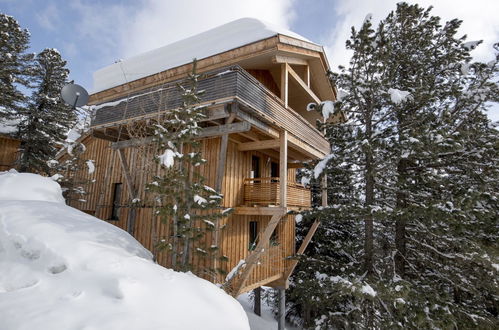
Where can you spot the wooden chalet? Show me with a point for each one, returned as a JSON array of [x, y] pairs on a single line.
[[9, 147], [258, 81]]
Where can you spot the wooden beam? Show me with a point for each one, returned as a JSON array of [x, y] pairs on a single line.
[[261, 247], [132, 143], [304, 148], [204, 133], [222, 156], [258, 124], [289, 59], [258, 145], [302, 84], [101, 135], [222, 159], [126, 171], [263, 282], [302, 248], [296, 165], [224, 129], [307, 75], [131, 191], [215, 113], [248, 210], [284, 84], [283, 169]]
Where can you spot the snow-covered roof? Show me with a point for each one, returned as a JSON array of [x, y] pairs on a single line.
[[9, 126], [217, 40]]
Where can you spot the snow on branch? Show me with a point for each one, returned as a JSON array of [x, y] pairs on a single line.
[[398, 96]]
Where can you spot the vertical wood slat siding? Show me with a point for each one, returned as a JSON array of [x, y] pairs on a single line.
[[234, 240], [225, 83], [8, 152]]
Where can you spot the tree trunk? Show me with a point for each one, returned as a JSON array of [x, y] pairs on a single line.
[[368, 221], [400, 221]]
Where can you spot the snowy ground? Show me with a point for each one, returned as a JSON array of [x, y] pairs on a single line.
[[63, 269], [264, 322]]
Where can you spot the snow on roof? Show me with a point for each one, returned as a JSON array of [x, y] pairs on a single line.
[[9, 126], [29, 187], [220, 39]]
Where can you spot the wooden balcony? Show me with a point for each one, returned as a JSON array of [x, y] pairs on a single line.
[[266, 191], [255, 104]]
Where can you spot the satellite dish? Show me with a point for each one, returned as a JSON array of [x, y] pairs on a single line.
[[74, 95]]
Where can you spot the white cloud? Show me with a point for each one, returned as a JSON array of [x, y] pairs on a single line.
[[100, 24], [479, 23], [49, 17], [158, 23], [122, 31]]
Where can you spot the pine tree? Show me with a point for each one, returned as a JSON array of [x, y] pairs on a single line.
[[69, 170], [14, 66], [183, 201], [424, 169], [46, 119]]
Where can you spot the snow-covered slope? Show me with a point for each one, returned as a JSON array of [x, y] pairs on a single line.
[[220, 39], [63, 269]]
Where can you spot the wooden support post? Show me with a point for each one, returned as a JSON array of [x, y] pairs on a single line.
[[131, 191], [206, 132], [284, 84], [307, 75], [222, 158], [301, 249], [257, 303], [296, 77], [324, 191], [258, 145], [281, 315], [283, 169], [253, 258]]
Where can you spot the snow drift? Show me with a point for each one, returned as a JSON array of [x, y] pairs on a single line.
[[63, 269]]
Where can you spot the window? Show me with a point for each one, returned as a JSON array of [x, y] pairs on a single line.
[[274, 170], [255, 166], [115, 210], [253, 235]]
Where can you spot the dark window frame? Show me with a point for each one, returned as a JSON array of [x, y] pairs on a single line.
[[253, 235], [255, 166], [116, 201]]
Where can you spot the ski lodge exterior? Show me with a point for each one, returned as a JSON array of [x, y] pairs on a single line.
[[9, 149], [258, 81]]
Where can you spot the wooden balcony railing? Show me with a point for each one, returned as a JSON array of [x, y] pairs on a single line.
[[265, 191]]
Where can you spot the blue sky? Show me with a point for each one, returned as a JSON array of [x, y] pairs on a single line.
[[91, 34]]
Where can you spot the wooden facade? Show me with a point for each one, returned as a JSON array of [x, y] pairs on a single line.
[[256, 135], [9, 149]]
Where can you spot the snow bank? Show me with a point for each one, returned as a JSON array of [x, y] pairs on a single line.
[[29, 187], [220, 39], [64, 269], [267, 320]]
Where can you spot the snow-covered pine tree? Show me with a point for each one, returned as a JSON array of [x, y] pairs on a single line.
[[424, 158], [70, 168], [46, 119], [14, 66], [182, 200]]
